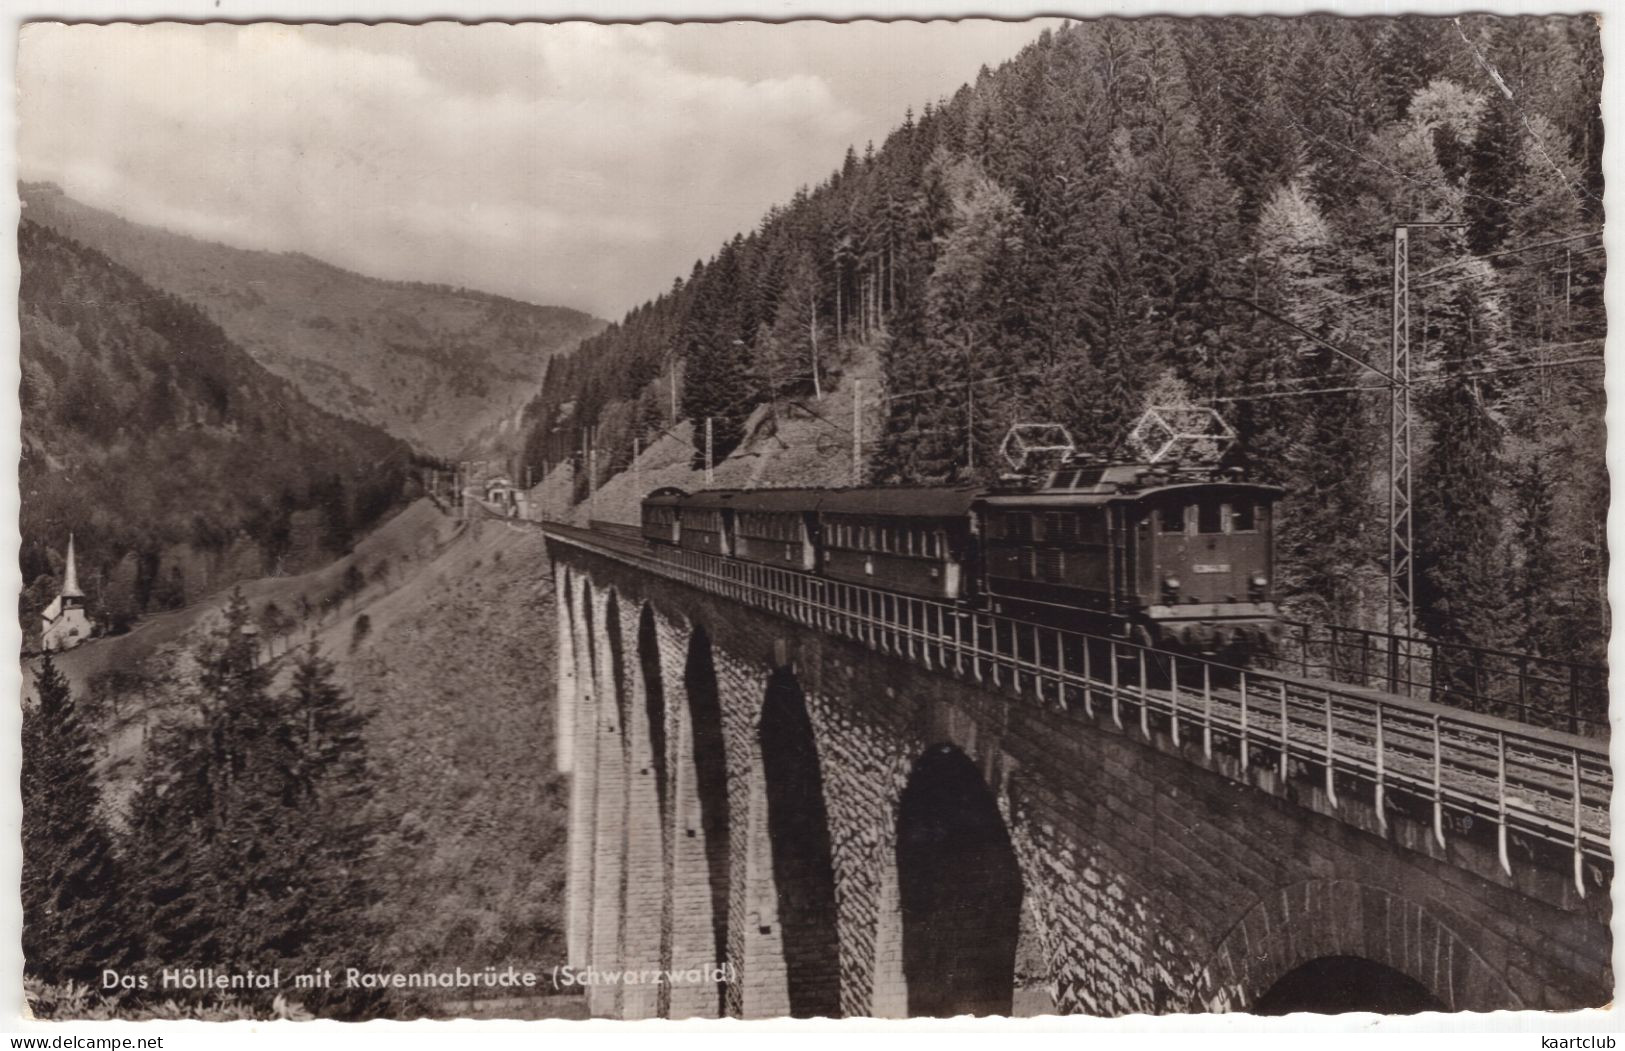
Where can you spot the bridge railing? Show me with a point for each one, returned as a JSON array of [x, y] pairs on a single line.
[[1460, 767], [1538, 691]]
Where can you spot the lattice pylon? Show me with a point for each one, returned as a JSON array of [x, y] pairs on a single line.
[[1401, 579]]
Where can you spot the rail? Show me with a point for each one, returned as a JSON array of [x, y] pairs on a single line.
[[1545, 784], [1537, 691]]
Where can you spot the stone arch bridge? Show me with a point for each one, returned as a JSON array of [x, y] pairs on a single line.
[[791, 798]]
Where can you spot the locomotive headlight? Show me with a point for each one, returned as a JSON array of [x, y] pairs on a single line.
[[1170, 589], [1259, 582]]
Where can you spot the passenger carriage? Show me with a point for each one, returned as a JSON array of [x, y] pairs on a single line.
[[706, 521], [662, 515], [776, 527], [915, 541]]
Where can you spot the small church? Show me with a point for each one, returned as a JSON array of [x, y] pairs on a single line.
[[66, 624]]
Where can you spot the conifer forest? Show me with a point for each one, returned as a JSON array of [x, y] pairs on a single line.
[[1201, 206]]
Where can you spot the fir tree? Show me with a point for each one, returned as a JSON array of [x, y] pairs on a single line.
[[249, 829], [72, 886], [1459, 579]]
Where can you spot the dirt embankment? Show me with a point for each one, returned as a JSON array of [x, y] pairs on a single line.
[[796, 442]]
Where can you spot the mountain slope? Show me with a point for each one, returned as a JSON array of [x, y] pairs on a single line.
[[431, 364], [452, 630], [177, 460]]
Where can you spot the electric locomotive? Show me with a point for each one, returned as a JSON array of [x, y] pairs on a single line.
[[1181, 559]]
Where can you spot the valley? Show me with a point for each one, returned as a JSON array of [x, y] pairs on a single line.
[[434, 365]]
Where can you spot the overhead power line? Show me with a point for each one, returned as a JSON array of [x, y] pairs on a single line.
[[1425, 381], [1343, 300]]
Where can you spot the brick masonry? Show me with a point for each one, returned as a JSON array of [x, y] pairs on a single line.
[[1155, 878]]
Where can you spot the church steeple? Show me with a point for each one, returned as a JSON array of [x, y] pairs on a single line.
[[70, 576], [65, 624]]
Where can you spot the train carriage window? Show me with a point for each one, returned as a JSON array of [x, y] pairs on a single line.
[[1208, 517], [1242, 518], [1173, 518]]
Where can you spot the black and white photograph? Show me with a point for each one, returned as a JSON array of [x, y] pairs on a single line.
[[762, 520]]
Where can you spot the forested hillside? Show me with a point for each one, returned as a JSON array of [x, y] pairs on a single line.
[[1175, 203], [175, 459], [428, 363]]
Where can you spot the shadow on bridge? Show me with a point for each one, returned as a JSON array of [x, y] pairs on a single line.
[[1337, 984], [960, 890], [710, 779], [798, 837]]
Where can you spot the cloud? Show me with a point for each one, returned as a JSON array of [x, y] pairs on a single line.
[[575, 163]]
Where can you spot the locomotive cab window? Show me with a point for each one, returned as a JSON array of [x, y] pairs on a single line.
[[1243, 519], [1173, 518], [1209, 517]]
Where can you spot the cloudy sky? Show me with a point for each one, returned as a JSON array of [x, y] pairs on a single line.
[[578, 164]]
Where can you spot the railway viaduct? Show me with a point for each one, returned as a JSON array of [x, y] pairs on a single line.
[[831, 829]]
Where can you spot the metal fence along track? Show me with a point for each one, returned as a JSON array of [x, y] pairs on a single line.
[[1540, 691]]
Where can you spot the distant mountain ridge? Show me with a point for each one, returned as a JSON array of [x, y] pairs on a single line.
[[431, 364], [178, 462]]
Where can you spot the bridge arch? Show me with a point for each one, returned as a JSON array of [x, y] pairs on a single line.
[[615, 642], [645, 904], [587, 849], [654, 702], [701, 878], [798, 842], [607, 650], [1300, 949], [564, 660], [1337, 984], [959, 890]]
